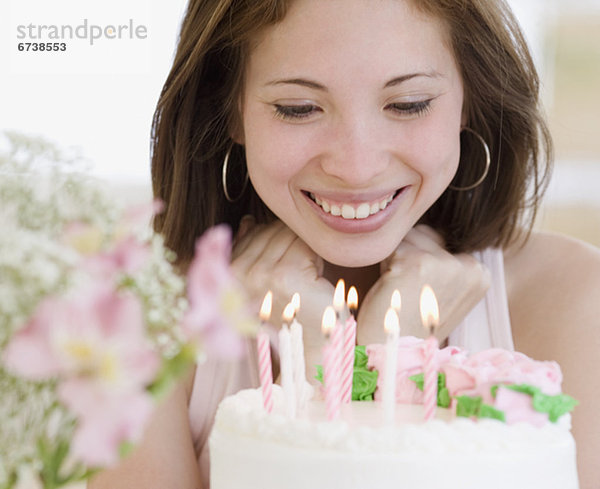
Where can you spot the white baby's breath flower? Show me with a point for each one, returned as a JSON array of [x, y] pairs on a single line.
[[42, 192]]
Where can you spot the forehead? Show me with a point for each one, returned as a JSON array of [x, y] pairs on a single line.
[[368, 36]]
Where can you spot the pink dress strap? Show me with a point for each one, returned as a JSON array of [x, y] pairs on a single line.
[[215, 380], [488, 323]]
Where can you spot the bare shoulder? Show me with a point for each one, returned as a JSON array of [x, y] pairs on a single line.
[[553, 286], [552, 276]]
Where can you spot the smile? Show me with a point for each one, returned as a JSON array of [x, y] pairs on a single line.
[[355, 210]]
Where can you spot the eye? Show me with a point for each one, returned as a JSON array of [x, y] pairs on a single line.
[[410, 108], [295, 112]]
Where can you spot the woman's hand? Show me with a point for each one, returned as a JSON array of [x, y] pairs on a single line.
[[459, 282], [272, 257]]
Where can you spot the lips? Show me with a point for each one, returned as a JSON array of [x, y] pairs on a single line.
[[353, 210], [349, 214]]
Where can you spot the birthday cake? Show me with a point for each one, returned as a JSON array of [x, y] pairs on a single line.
[[501, 421]]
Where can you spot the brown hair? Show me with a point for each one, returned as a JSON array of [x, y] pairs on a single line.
[[197, 113]]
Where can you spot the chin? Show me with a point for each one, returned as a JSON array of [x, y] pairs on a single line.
[[342, 256]]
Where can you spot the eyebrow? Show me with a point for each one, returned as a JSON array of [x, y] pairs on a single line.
[[401, 79], [299, 81], [304, 82]]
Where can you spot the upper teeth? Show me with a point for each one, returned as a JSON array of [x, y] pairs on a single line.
[[353, 211]]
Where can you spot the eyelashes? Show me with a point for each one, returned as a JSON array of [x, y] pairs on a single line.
[[411, 108], [295, 112], [300, 112]]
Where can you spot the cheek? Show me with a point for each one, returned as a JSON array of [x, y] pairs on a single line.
[[275, 154], [437, 149], [271, 168]]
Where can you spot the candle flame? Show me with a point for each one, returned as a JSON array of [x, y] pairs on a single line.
[[353, 298], [391, 323], [430, 314], [329, 320], [296, 302], [289, 312], [338, 296], [396, 301], [265, 309]]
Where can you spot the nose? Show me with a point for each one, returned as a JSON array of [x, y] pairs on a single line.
[[355, 153]]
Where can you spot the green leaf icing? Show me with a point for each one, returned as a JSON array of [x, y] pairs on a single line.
[[487, 411], [555, 406], [360, 356], [473, 407], [443, 396], [364, 381], [320, 377], [468, 406], [418, 379]]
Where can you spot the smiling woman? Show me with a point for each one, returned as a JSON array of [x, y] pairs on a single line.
[[391, 143], [355, 135]]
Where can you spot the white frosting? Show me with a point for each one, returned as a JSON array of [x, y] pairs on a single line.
[[252, 449]]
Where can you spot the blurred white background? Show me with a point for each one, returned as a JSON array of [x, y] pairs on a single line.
[[104, 105]]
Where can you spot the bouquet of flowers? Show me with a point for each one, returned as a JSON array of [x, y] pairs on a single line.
[[96, 323]]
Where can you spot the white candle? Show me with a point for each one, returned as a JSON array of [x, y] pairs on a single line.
[[286, 363], [299, 365], [331, 363], [392, 330]]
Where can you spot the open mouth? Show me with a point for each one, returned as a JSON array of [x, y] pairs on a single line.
[[354, 210]]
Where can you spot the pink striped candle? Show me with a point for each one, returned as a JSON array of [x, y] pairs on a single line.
[[391, 324], [431, 378], [332, 363], [265, 366], [265, 369], [348, 359], [430, 318]]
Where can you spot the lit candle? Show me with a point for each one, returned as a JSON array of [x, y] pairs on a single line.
[[265, 366], [430, 318], [353, 301], [331, 363], [339, 301], [396, 302], [348, 346], [391, 325], [299, 366], [286, 362]]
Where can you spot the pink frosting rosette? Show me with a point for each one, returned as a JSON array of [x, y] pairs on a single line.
[[411, 357], [472, 375], [477, 374]]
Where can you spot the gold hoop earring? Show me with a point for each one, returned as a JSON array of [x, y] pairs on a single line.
[[224, 179], [487, 163]]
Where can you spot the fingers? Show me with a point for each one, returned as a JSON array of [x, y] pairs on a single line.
[[299, 254], [254, 240], [247, 222], [425, 238]]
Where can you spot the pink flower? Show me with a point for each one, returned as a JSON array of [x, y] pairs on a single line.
[[126, 256], [96, 334], [477, 374], [141, 215], [105, 420], [411, 357], [217, 313], [518, 407], [94, 342]]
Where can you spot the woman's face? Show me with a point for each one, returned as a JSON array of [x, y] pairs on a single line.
[[351, 117]]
